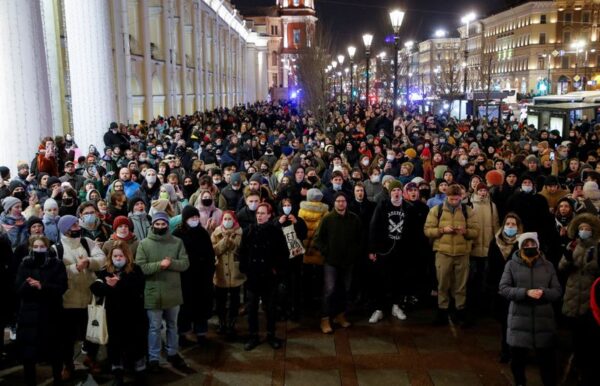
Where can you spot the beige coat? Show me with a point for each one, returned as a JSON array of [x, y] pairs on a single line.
[[486, 216], [227, 272], [79, 295], [451, 244]]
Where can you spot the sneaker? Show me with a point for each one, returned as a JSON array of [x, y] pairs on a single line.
[[252, 343], [274, 341], [177, 362], [154, 367], [12, 334], [326, 326], [376, 317], [398, 312]]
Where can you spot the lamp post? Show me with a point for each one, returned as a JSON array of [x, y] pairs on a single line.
[[579, 46], [408, 45], [351, 52], [340, 59], [333, 66], [467, 19], [396, 17], [367, 40]]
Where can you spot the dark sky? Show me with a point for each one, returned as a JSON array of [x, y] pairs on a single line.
[[348, 20]]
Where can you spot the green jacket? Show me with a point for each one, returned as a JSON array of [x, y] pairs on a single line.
[[163, 287], [338, 238]]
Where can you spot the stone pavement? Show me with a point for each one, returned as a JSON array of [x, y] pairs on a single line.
[[392, 352]]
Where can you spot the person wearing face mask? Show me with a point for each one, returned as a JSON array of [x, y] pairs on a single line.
[[122, 232], [580, 264], [247, 215], [197, 280], [150, 187], [373, 184], [501, 248], [91, 225], [210, 215], [532, 208], [162, 258], [41, 281], [530, 284], [12, 221], [121, 284], [228, 279], [82, 258]]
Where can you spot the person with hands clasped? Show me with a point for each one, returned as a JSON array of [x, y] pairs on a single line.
[[121, 283], [162, 257], [530, 283], [580, 265]]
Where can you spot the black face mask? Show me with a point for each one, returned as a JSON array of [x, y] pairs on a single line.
[[160, 231], [207, 201], [313, 179], [67, 201], [75, 234], [20, 195], [530, 252]]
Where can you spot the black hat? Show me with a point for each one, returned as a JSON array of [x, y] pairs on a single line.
[[188, 212], [511, 172], [4, 172], [113, 125], [53, 180], [527, 176], [32, 221], [551, 180], [132, 201]]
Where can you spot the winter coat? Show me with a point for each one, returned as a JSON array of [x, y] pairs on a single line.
[[15, 228], [125, 314], [496, 263], [78, 295], [51, 228], [264, 255], [580, 263], [246, 217], [338, 238], [486, 216], [163, 286], [372, 189], [312, 213], [531, 322], [141, 225], [40, 311], [227, 273], [451, 244], [7, 279], [196, 281], [553, 199]]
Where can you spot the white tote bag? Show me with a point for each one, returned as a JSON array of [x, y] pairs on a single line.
[[97, 331]]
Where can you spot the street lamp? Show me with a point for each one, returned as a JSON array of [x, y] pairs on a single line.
[[440, 33], [396, 17], [367, 40], [333, 67], [578, 46], [408, 45], [351, 52], [467, 19], [340, 59]]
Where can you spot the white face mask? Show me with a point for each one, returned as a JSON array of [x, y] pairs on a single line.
[[526, 188], [228, 224], [252, 206], [122, 234], [375, 178], [463, 162], [192, 223], [390, 158], [287, 210], [151, 179], [365, 162]]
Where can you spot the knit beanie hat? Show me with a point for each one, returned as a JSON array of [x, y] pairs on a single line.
[[411, 153], [160, 216], [314, 195], [121, 220], [9, 202], [15, 184], [257, 177], [50, 203], [31, 221], [386, 178], [481, 185], [188, 212], [528, 236], [394, 184], [494, 177], [134, 200], [66, 222]]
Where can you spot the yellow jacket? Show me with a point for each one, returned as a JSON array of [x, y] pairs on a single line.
[[451, 244], [312, 213]]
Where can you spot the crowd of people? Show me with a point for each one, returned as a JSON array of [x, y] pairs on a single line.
[[261, 207]]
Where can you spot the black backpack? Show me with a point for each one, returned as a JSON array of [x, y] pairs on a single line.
[[441, 207], [60, 249]]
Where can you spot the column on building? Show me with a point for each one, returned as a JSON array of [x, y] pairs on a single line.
[[261, 73], [122, 60], [144, 21], [197, 36], [250, 69], [91, 69], [167, 47], [182, 52], [24, 78]]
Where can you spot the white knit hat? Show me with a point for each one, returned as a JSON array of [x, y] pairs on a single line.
[[50, 203], [528, 236]]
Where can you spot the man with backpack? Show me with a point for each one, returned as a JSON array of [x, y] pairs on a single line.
[[451, 226]]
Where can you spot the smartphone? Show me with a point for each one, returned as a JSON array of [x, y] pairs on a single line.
[[552, 156]]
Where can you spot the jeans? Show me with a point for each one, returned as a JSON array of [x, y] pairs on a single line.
[[155, 317], [336, 290]]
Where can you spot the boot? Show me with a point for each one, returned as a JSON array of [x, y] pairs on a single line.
[[326, 326], [441, 317], [341, 320]]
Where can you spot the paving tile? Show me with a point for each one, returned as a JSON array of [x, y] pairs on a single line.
[[312, 377], [227, 378], [390, 377], [310, 347], [435, 343], [454, 378], [373, 345]]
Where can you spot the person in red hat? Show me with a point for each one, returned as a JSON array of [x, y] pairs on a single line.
[[123, 231]]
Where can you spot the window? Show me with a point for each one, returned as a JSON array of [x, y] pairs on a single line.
[[542, 38], [541, 63], [296, 3], [568, 18], [296, 39], [566, 37], [585, 18], [543, 19], [274, 59], [565, 62]]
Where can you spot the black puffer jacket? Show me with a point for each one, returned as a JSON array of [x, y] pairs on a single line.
[[531, 322]]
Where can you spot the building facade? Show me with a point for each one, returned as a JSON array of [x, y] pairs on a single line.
[[75, 66], [434, 55]]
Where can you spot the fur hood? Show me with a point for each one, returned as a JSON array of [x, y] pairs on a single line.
[[587, 218], [314, 206]]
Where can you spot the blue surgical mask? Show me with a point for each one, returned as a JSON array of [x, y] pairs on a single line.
[[287, 210], [120, 263], [584, 235], [89, 218], [337, 186], [510, 231]]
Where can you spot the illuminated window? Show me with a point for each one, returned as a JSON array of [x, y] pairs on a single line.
[[296, 37], [296, 3], [542, 38]]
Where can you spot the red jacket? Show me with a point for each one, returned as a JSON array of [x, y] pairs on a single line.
[[46, 164]]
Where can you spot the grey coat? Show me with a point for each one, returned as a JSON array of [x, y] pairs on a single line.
[[531, 322]]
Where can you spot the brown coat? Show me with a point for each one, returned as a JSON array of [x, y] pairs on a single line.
[[227, 272]]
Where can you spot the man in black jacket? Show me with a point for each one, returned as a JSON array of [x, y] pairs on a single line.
[[264, 257]]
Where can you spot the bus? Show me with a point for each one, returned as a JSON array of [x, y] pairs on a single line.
[[572, 97]]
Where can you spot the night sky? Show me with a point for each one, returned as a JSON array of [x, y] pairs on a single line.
[[348, 20]]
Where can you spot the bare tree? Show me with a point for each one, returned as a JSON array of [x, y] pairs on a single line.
[[311, 62], [448, 84], [481, 79]]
